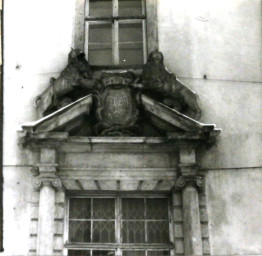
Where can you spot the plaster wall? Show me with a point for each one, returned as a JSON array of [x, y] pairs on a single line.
[[220, 39]]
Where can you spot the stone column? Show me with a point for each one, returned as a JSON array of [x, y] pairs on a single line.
[[46, 182], [189, 182], [45, 234]]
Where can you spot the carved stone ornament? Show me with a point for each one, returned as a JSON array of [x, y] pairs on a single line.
[[173, 93], [54, 182], [194, 180], [117, 103], [117, 107]]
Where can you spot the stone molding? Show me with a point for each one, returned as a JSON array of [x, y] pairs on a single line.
[[196, 181]]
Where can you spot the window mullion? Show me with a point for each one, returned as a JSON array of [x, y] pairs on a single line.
[[115, 42], [115, 32], [86, 40], [118, 219], [91, 236], [145, 219], [144, 41]]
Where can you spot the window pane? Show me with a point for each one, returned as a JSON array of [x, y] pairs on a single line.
[[79, 231], [130, 44], [104, 208], [100, 57], [157, 208], [133, 231], [100, 44], [131, 56], [158, 253], [100, 8], [103, 231], [78, 253], [130, 32], [130, 7], [80, 208], [133, 208], [100, 33], [103, 253], [134, 253], [158, 231]]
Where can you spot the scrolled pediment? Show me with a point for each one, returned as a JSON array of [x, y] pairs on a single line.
[[119, 104]]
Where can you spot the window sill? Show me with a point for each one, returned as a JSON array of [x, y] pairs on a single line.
[[116, 67], [116, 245]]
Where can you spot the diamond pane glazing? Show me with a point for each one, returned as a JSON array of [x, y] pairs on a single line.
[[133, 231], [80, 208], [104, 231], [157, 208], [104, 208], [158, 231], [79, 231], [133, 208]]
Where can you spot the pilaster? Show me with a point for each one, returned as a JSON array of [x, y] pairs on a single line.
[[46, 183], [189, 182]]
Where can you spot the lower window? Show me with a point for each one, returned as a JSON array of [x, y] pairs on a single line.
[[119, 225]]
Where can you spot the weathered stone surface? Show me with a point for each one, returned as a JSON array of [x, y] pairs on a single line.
[[178, 215], [58, 243], [46, 221], [178, 228], [191, 221], [179, 245], [115, 160]]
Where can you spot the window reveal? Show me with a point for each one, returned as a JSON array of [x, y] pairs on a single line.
[[115, 32], [119, 222]]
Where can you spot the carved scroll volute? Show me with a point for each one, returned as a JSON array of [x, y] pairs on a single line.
[[196, 181], [53, 182]]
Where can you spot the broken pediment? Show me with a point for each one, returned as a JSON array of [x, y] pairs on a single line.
[[154, 104]]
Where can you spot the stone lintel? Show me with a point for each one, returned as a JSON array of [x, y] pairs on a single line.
[[47, 168], [187, 156], [48, 155]]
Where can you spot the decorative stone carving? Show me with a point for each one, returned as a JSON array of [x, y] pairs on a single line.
[[117, 107], [75, 77], [158, 81], [40, 181], [192, 180], [124, 104]]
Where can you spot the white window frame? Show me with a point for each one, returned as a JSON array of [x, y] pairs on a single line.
[[115, 20]]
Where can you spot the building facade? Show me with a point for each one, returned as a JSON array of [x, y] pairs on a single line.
[[85, 174]]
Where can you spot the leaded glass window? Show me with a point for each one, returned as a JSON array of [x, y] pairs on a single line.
[[130, 226]]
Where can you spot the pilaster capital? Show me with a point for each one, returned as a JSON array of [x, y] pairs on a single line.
[[196, 181], [42, 181]]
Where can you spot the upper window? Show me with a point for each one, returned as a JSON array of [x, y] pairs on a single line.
[[119, 225], [115, 32]]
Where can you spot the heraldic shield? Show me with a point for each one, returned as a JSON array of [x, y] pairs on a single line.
[[117, 108]]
